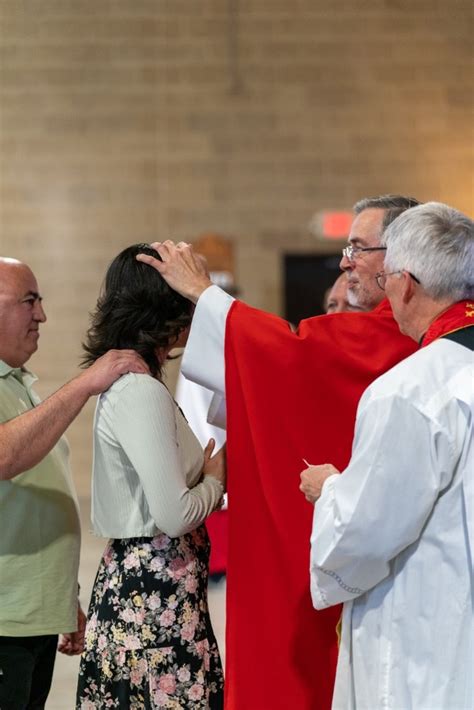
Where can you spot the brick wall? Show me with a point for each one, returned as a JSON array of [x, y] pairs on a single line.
[[124, 121]]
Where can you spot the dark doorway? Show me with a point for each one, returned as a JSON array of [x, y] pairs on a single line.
[[306, 279]]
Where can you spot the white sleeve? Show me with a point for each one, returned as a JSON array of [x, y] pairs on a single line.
[[197, 403], [379, 505], [217, 414], [203, 359], [145, 427]]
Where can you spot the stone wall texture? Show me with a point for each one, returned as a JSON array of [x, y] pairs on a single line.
[[136, 120]]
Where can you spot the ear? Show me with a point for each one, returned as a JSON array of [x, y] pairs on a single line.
[[408, 287]]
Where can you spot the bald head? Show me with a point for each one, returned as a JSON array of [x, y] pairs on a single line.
[[21, 312], [8, 268], [12, 273], [8, 260]]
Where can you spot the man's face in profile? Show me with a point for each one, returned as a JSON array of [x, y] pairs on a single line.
[[366, 232], [336, 299], [21, 313]]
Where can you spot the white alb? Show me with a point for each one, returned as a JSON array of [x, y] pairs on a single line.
[[393, 539]]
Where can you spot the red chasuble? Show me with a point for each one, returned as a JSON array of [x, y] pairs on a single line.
[[290, 396]]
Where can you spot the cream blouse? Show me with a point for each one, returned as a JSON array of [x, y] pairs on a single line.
[[147, 464]]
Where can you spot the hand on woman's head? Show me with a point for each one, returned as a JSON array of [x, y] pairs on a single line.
[[182, 268]]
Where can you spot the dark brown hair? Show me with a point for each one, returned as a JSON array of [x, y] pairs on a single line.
[[136, 309]]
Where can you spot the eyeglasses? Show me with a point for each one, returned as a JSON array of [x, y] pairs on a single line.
[[352, 253], [381, 277]]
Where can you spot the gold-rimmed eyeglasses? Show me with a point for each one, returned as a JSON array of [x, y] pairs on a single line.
[[381, 277]]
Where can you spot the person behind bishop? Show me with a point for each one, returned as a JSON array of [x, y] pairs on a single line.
[[393, 537]]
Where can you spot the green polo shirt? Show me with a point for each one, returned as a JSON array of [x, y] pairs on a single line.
[[39, 531]]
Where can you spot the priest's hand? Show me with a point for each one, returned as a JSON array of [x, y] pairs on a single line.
[[182, 269], [312, 479]]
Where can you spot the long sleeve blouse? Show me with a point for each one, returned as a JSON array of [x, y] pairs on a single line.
[[147, 464]]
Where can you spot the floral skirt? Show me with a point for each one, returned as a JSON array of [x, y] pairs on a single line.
[[149, 640]]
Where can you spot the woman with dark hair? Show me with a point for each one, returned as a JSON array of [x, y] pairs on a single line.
[[149, 640]]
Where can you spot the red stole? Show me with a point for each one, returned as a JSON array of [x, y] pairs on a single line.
[[289, 396], [458, 316]]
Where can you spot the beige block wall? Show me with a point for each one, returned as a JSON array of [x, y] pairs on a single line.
[[125, 121]]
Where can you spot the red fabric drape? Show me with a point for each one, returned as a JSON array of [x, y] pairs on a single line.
[[217, 525], [289, 396]]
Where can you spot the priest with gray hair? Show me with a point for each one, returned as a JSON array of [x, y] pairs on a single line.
[[393, 537]]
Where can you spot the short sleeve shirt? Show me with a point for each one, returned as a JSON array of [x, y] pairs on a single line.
[[40, 531]]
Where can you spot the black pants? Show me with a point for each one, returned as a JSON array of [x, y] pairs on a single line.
[[26, 671]]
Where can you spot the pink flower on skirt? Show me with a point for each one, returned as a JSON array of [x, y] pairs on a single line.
[[132, 643], [190, 584], [167, 617], [160, 698], [187, 632], [160, 542], [87, 705], [191, 565], [132, 561], [154, 601], [120, 657], [140, 616], [184, 674], [136, 676], [156, 564], [195, 692], [127, 615], [177, 568], [167, 683], [201, 646]]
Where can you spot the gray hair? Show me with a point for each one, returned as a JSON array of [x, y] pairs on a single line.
[[393, 205], [435, 243]]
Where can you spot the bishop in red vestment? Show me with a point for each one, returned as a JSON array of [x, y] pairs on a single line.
[[291, 399]]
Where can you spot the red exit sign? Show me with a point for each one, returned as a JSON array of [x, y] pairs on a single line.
[[335, 225], [331, 224]]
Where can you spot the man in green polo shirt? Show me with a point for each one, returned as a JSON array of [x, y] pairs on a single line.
[[40, 535]]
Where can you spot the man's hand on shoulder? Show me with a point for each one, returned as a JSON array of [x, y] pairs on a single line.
[[108, 368], [183, 269], [312, 480]]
